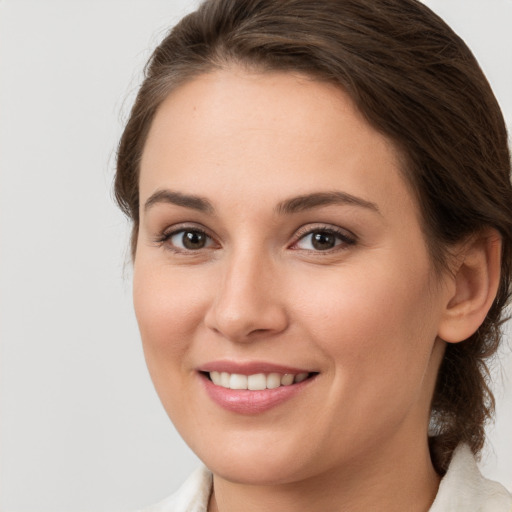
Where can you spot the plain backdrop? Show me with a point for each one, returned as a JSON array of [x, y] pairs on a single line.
[[81, 426]]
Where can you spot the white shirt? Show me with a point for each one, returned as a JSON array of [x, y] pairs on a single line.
[[462, 489]]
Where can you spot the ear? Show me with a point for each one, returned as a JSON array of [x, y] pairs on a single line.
[[473, 286]]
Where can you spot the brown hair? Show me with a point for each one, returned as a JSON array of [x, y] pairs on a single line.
[[415, 81]]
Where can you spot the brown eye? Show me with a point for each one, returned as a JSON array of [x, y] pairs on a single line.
[[190, 240], [324, 240]]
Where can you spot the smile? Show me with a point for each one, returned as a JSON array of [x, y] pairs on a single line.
[[253, 388], [257, 381]]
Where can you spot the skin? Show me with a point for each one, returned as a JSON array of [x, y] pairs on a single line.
[[366, 314]]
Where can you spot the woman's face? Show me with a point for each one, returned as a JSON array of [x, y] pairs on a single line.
[[277, 242]]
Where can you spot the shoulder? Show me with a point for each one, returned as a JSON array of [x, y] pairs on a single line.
[[464, 488], [192, 496]]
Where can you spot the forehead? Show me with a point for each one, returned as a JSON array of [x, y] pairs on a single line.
[[240, 131]]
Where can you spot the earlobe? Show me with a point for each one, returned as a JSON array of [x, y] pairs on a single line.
[[474, 284]]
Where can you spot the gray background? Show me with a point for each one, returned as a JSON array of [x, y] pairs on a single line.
[[81, 427]]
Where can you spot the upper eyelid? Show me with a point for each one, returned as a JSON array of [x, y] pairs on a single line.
[[347, 238], [164, 240], [166, 234], [309, 228], [176, 228]]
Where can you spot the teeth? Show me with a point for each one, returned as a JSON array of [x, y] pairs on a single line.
[[256, 382], [216, 378], [224, 380], [300, 377], [238, 381], [287, 379], [273, 380]]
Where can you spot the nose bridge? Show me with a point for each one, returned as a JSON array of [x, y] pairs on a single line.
[[247, 299]]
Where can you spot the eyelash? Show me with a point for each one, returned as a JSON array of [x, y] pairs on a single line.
[[345, 238], [166, 236]]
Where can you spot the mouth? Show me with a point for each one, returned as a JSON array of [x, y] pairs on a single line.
[[253, 388], [256, 381]]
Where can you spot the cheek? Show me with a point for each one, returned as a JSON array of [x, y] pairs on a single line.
[[168, 307], [377, 331], [375, 322]]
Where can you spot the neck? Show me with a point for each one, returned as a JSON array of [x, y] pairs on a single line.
[[403, 479]]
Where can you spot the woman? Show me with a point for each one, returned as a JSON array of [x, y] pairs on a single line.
[[322, 245]]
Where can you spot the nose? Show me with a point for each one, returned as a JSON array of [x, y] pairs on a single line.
[[247, 303]]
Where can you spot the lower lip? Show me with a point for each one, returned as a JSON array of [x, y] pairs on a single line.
[[243, 401]]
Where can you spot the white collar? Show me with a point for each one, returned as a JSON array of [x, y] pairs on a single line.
[[462, 489]]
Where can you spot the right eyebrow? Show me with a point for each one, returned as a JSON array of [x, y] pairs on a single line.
[[317, 199], [177, 198]]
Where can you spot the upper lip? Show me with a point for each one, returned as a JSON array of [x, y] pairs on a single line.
[[250, 367]]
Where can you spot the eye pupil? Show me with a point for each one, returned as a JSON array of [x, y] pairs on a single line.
[[323, 241], [194, 240]]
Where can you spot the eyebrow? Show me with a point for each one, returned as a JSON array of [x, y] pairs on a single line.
[[309, 201], [286, 207], [188, 201]]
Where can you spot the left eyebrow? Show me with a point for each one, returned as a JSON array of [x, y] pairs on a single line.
[[177, 198], [314, 200]]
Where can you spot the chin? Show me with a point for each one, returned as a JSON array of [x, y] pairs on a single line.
[[264, 470], [253, 462]]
